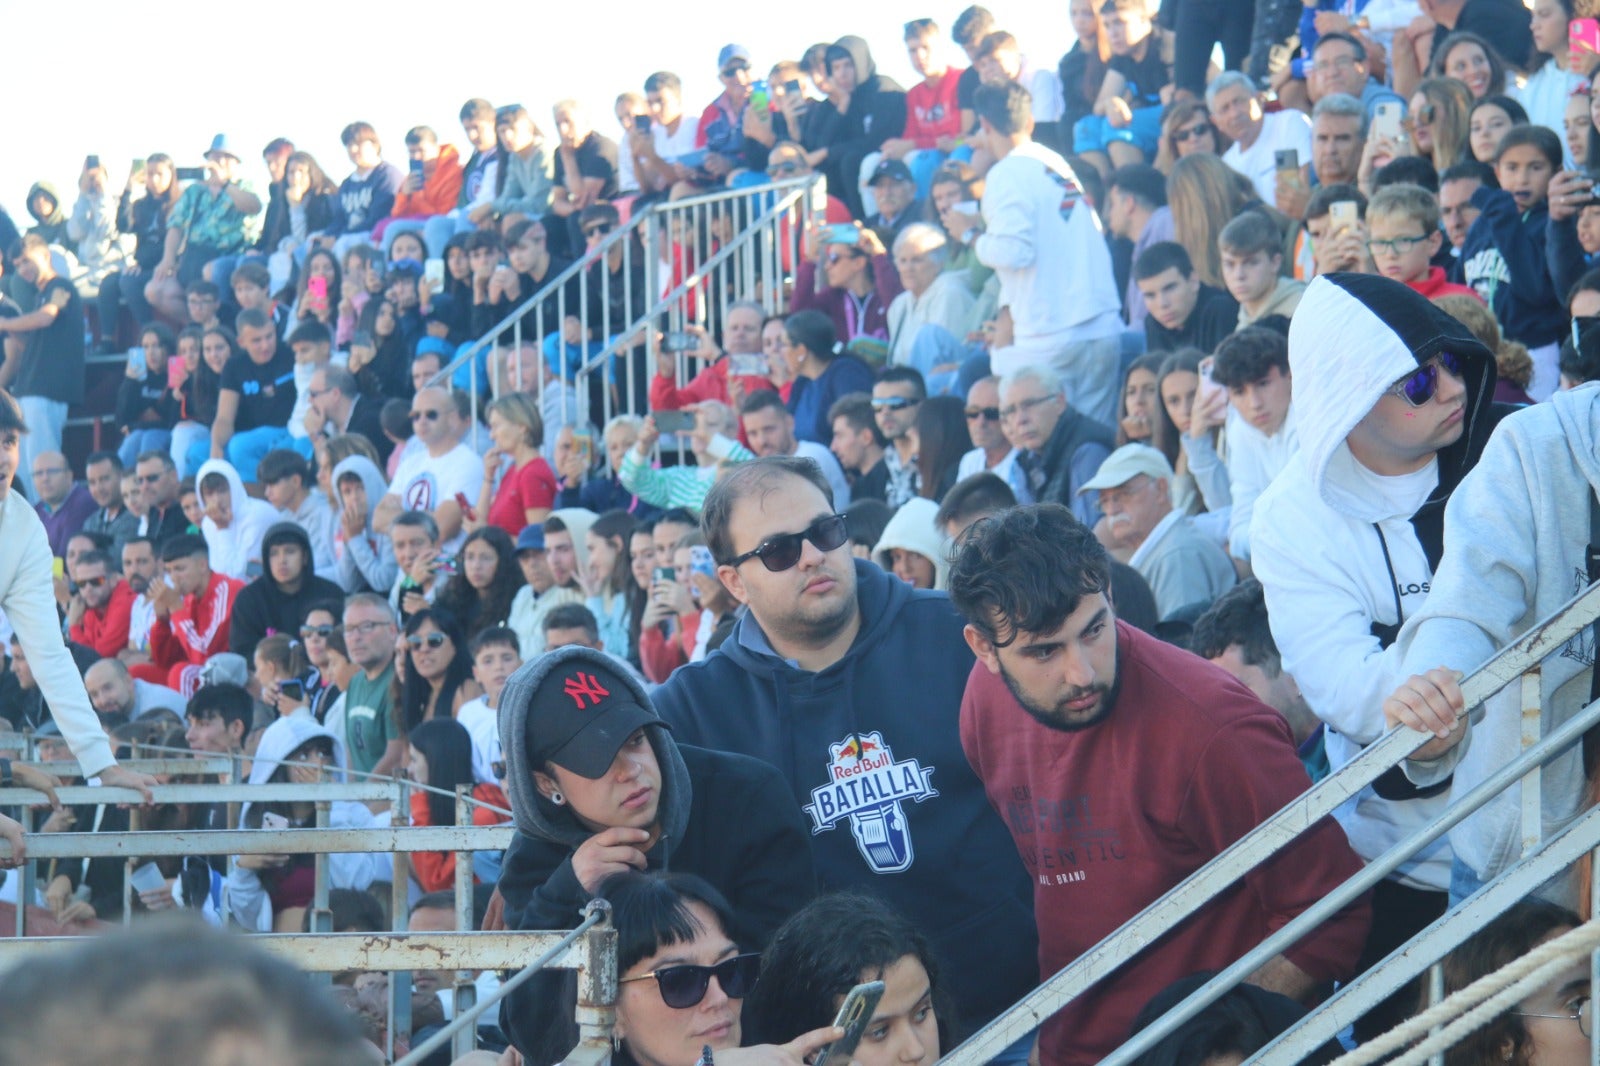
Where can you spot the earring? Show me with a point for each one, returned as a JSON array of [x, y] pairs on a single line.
[[616, 1042], [556, 797]]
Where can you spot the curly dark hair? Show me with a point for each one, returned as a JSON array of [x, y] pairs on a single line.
[[1024, 570]]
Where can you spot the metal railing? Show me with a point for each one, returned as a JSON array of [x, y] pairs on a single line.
[[1520, 658]]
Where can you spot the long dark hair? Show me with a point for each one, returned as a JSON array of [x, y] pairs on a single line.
[[831, 945], [617, 526], [207, 382], [414, 691], [335, 282], [492, 606], [320, 184], [389, 373], [942, 439], [447, 746], [1163, 434], [1185, 360]]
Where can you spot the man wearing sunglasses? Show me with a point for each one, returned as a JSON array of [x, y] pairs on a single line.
[[1393, 403], [100, 606], [991, 450], [431, 477], [850, 682], [277, 601], [599, 785]]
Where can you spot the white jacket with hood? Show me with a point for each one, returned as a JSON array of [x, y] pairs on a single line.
[[1518, 532], [1337, 547], [234, 549], [912, 529]]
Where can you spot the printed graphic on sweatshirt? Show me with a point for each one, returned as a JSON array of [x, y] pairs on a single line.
[[867, 786], [1580, 647], [1057, 837]]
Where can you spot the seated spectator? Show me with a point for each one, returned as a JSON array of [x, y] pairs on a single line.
[[739, 355], [1083, 69], [92, 229], [209, 220], [1404, 237], [1236, 108], [525, 181], [415, 539], [894, 200], [479, 175], [366, 559], [939, 439], [496, 655], [158, 482], [1059, 449], [234, 522], [1136, 210], [660, 146], [683, 486], [286, 481], [933, 112], [615, 600], [329, 658], [720, 129], [1252, 256], [822, 369], [991, 450], [839, 941], [193, 614], [583, 477], [1235, 635], [119, 696], [526, 492], [103, 474], [978, 496], [530, 265], [267, 893], [555, 752], [100, 606], [432, 478], [1182, 567], [999, 61], [251, 287], [1125, 127], [436, 672], [484, 582], [338, 406], [277, 601], [855, 285], [256, 397], [913, 548], [146, 407], [770, 428], [930, 319], [1241, 1022], [367, 196], [1327, 248], [311, 206], [1186, 129], [1205, 194], [439, 756], [542, 594], [144, 218], [862, 110], [1470, 59], [585, 170], [280, 667], [1253, 366], [1491, 119], [1339, 65], [64, 503], [430, 189], [858, 444], [1181, 310]]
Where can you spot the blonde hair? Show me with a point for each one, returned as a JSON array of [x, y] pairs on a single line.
[[1408, 201], [520, 409], [1205, 194], [1511, 359], [1452, 105]]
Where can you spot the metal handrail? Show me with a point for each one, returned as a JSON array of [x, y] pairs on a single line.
[[1261, 844], [157, 843]]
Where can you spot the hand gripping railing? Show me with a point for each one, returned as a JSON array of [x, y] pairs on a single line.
[[1278, 832]]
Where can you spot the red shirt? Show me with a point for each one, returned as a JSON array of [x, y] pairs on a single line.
[[199, 629], [1109, 818], [1434, 286], [106, 629], [932, 111], [531, 485], [436, 870]]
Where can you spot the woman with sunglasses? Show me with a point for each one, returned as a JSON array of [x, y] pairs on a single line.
[[439, 756], [1186, 129], [1439, 123], [435, 667], [598, 787]]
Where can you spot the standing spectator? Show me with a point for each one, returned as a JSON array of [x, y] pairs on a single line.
[[1060, 447], [147, 410], [863, 109], [1258, 137], [212, 218], [1198, 27], [143, 218], [44, 351], [1136, 210], [367, 196], [429, 190], [812, 669], [64, 504], [103, 474], [93, 231], [1056, 281], [1063, 707]]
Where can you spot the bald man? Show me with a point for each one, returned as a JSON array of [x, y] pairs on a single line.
[[64, 505], [114, 691], [435, 475]]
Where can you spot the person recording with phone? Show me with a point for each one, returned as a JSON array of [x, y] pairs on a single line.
[[208, 221]]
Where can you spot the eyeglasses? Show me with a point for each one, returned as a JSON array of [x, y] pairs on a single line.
[[307, 632], [1582, 1013], [50, 471], [1418, 388], [1190, 133], [686, 985], [434, 641], [363, 628], [431, 416], [1398, 246], [1331, 64], [788, 167], [892, 403], [1008, 413], [782, 552], [150, 479], [990, 413], [835, 257], [599, 231]]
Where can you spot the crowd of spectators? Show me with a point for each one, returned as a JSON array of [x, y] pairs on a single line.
[[1127, 444]]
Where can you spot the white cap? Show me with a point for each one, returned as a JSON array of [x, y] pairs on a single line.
[[1127, 463]]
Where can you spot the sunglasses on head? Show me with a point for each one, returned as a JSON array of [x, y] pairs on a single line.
[[686, 985], [1418, 388], [1191, 133], [432, 640], [306, 632], [990, 413], [431, 416], [783, 551]]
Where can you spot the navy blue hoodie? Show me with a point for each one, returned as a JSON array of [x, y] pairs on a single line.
[[1503, 258], [871, 749]]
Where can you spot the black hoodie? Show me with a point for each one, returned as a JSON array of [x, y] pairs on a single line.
[[264, 608], [876, 112]]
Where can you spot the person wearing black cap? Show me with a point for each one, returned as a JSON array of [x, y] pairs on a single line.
[[277, 601], [894, 191], [598, 786]]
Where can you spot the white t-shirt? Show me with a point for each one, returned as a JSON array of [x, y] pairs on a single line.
[[423, 482], [1280, 130], [483, 726], [670, 146]]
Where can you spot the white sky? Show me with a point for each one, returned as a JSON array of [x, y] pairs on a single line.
[[124, 78]]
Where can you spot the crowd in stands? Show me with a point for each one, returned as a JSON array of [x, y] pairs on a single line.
[[1128, 443]]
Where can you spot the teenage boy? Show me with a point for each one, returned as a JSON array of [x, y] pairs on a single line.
[[1403, 236], [478, 177], [1252, 254], [1125, 127], [45, 373], [496, 655], [1181, 311], [255, 398], [430, 189], [366, 197], [933, 114], [252, 288], [1253, 365], [194, 614]]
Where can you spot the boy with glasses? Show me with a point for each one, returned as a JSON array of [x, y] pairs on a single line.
[[1403, 236]]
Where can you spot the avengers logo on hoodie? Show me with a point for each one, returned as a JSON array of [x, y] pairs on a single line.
[[867, 786]]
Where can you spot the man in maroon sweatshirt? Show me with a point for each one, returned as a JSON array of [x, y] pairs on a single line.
[[1122, 765]]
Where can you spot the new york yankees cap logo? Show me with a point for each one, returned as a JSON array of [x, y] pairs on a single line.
[[583, 711]]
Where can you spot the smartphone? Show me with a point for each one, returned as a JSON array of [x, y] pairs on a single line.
[[91, 162], [663, 573], [1287, 158], [190, 173], [583, 441], [273, 820], [147, 878], [970, 207], [843, 233], [177, 373], [1386, 121], [467, 510], [446, 565], [674, 421], [317, 289], [138, 166], [748, 364], [679, 341], [792, 86], [855, 1014], [760, 96], [416, 167], [1342, 215], [433, 274], [720, 446], [1209, 389], [1585, 34], [701, 562], [136, 362], [293, 687], [641, 123]]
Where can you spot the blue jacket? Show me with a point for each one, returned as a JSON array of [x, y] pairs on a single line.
[[1503, 258], [809, 400], [871, 748]]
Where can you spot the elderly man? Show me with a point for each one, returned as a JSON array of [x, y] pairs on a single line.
[[1338, 125], [684, 486], [894, 191], [929, 321], [114, 691], [338, 407], [101, 604], [1182, 567], [991, 450], [64, 504], [1236, 108], [1060, 447], [432, 479]]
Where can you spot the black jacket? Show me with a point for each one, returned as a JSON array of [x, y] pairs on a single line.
[[365, 419], [1215, 316], [263, 608]]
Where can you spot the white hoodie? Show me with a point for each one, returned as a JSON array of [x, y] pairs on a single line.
[[1315, 538], [232, 550], [1517, 531], [912, 529]]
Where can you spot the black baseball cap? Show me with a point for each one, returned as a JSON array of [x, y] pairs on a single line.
[[890, 168], [580, 716]]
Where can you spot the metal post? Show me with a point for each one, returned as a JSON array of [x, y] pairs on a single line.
[[465, 991], [1435, 995], [1532, 793], [597, 979], [400, 980]]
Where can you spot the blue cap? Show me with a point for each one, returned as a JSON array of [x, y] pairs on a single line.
[[220, 146], [435, 346], [731, 52], [531, 539]]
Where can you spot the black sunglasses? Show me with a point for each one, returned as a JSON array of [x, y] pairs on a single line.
[[432, 640], [733, 69], [599, 231], [991, 413], [94, 582], [788, 166], [686, 985], [783, 551], [431, 416], [1191, 133], [316, 631], [892, 403], [1418, 388]]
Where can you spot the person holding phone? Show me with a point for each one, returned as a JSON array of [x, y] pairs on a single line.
[[208, 221], [1568, 47], [147, 410], [92, 229]]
